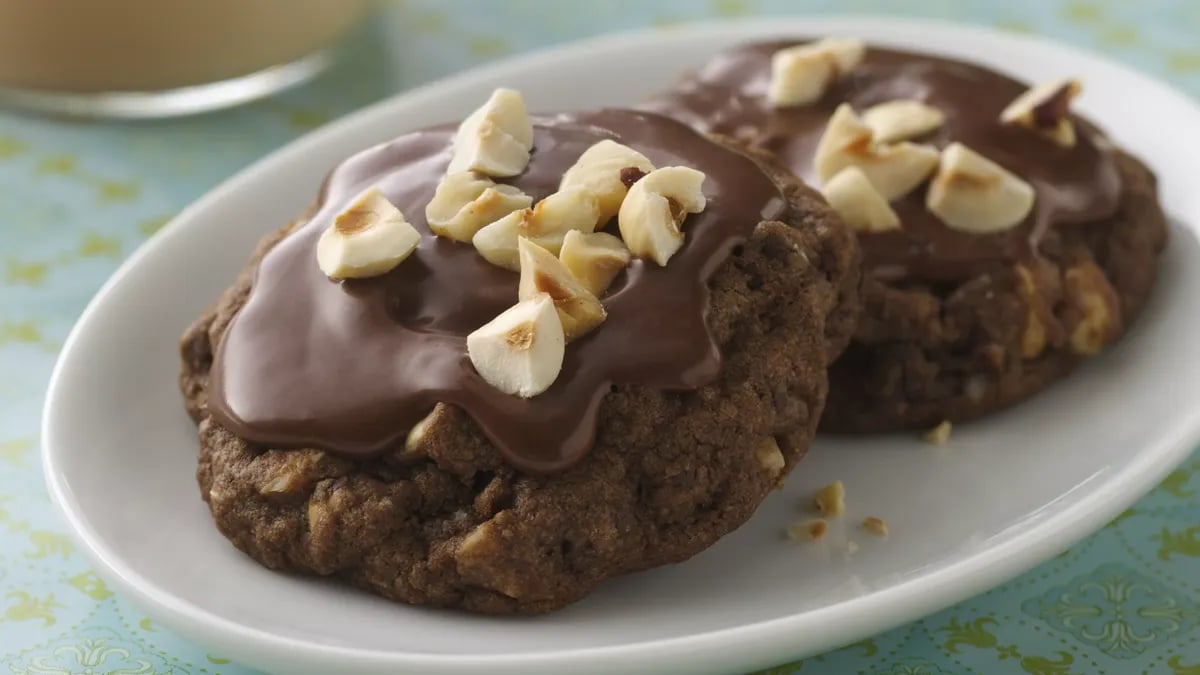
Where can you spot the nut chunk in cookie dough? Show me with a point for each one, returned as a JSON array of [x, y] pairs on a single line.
[[1004, 237], [607, 344]]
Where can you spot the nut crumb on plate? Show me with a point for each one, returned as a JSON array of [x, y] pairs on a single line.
[[812, 529], [875, 526], [831, 499], [939, 434]]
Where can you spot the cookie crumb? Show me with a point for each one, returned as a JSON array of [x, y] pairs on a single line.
[[939, 434], [851, 547], [813, 530], [831, 499], [875, 526]]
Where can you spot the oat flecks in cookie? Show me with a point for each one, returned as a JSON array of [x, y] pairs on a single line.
[[813, 529], [830, 500], [938, 435]]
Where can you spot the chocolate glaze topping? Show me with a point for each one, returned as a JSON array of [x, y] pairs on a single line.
[[352, 366], [1074, 185]]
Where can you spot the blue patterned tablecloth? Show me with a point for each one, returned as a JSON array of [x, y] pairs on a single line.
[[76, 198]]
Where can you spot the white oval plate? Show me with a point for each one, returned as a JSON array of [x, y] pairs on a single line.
[[1006, 493]]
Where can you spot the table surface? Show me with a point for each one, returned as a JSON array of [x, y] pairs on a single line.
[[77, 198]]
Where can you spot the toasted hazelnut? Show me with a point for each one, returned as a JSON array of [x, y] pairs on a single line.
[[1033, 333], [603, 170], [860, 205], [1097, 305], [1046, 109], [572, 208], [594, 259], [651, 216], [542, 273], [497, 242], [495, 140], [770, 457], [811, 530], [940, 434], [520, 351], [800, 75], [466, 201], [973, 194], [368, 238], [546, 224], [901, 119], [894, 170], [875, 526], [831, 500]]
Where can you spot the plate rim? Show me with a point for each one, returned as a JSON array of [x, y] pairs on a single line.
[[768, 641]]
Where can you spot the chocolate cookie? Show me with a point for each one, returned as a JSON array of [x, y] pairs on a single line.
[[1004, 239], [345, 433]]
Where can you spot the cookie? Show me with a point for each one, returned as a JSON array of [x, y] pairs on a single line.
[[345, 433], [1005, 239]]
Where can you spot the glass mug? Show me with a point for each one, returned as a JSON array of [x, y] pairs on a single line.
[[156, 58]]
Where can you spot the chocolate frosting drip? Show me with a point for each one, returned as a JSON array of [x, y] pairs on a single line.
[[352, 366], [1074, 185]]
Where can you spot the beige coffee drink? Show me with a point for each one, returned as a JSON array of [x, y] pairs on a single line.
[[152, 45]]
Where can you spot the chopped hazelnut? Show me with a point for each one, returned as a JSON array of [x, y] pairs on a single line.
[[875, 526], [812, 530], [831, 499], [770, 457]]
